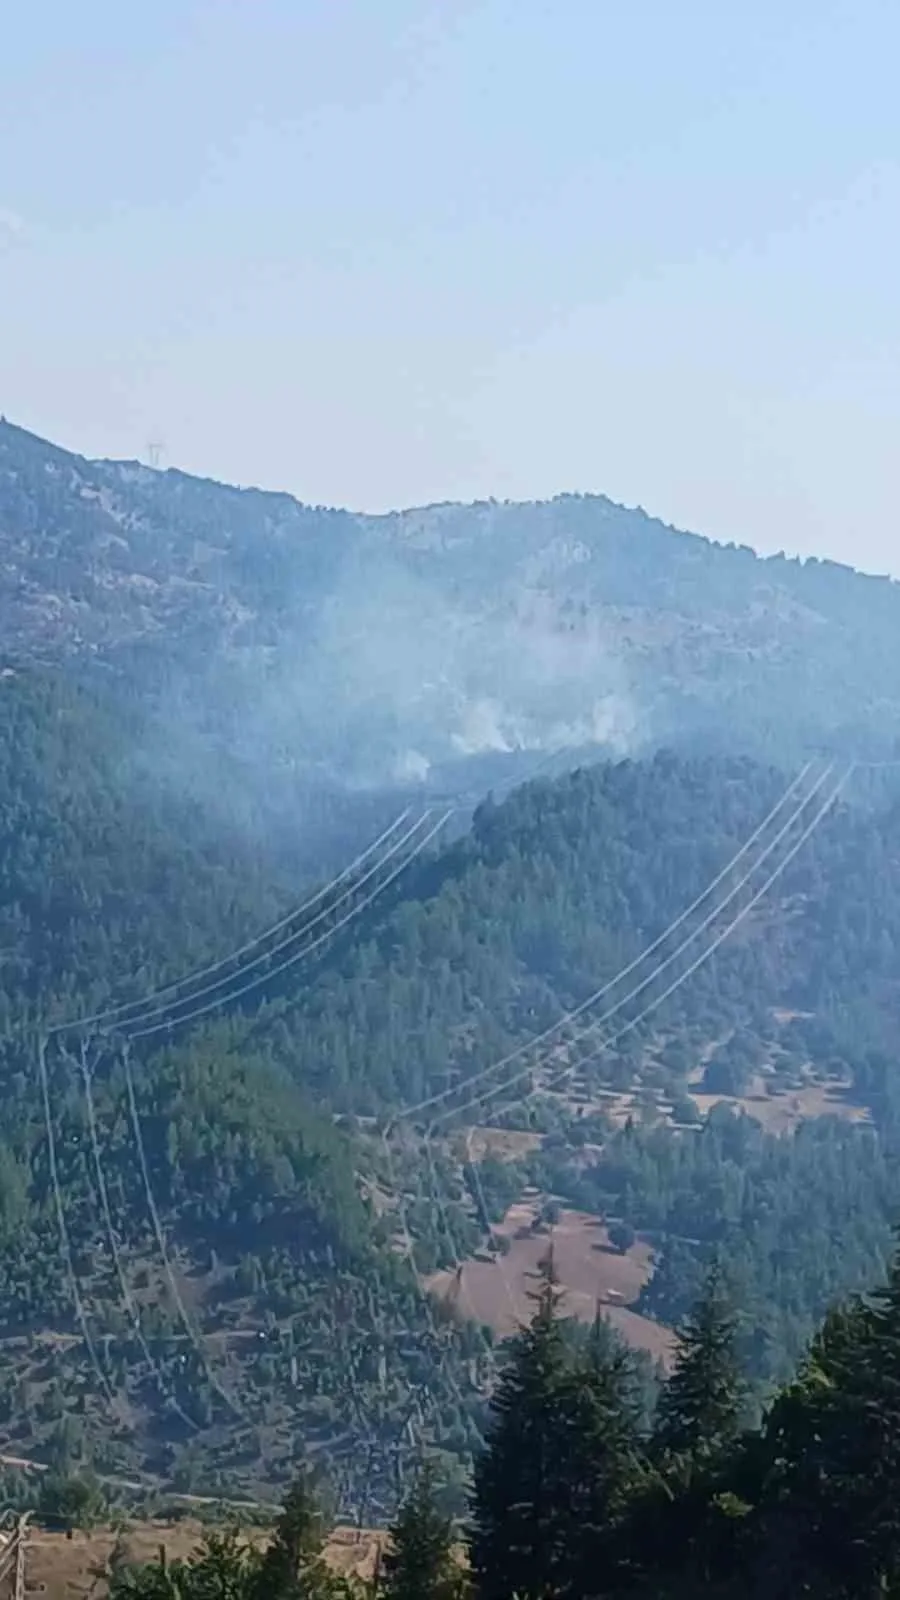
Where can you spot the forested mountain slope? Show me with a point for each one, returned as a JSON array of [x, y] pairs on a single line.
[[224, 1309], [551, 895], [302, 642], [281, 1215], [565, 882]]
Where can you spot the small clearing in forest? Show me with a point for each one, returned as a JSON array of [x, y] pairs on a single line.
[[499, 1292], [784, 1112]]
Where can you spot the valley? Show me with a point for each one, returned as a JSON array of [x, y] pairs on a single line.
[[449, 802], [635, 1009]]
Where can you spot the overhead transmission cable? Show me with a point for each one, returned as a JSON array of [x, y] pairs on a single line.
[[682, 977], [478, 1101], [661, 966], [606, 988], [705, 955], [306, 950], [63, 1228], [137, 1011], [420, 845], [819, 817], [233, 1405], [156, 1222], [567, 1018], [129, 1303], [103, 1019]]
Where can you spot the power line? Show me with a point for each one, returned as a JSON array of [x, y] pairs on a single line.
[[741, 916], [128, 1301], [100, 1019], [196, 1340], [599, 994], [290, 940], [245, 988], [700, 961], [682, 977], [604, 990], [480, 1100], [64, 1239], [662, 966], [307, 950]]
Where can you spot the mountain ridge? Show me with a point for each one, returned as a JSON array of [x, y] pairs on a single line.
[[404, 511], [350, 649]]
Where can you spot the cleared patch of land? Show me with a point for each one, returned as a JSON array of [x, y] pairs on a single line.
[[73, 1567], [498, 1292], [782, 1113]]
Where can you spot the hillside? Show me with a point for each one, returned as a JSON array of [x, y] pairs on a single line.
[[580, 1489], [200, 1365], [289, 1320], [550, 896], [321, 647]]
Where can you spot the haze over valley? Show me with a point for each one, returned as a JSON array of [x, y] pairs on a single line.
[[608, 959]]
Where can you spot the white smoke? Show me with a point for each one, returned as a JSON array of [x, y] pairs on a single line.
[[411, 767], [401, 664], [487, 726]]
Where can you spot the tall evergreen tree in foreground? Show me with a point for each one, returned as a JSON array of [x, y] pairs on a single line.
[[293, 1567], [690, 1502], [602, 1465], [563, 1458], [516, 1538], [419, 1563], [831, 1503], [703, 1404]]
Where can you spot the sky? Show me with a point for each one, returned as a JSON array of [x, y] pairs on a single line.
[[386, 252]]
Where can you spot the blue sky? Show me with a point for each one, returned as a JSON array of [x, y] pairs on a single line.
[[396, 251]]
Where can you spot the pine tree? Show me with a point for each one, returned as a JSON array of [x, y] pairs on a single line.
[[419, 1563], [516, 1538], [602, 1465], [833, 1439], [798, 1529], [293, 1567], [224, 1567], [702, 1406], [689, 1518], [872, 1422]]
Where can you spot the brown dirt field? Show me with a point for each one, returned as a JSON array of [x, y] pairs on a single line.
[[497, 1292], [65, 1566], [783, 1113], [641, 1333]]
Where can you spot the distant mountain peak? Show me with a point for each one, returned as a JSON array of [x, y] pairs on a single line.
[[375, 649]]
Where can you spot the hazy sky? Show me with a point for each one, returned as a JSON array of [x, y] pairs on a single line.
[[386, 251]]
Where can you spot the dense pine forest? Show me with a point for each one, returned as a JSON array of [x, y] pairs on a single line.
[[216, 1267]]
